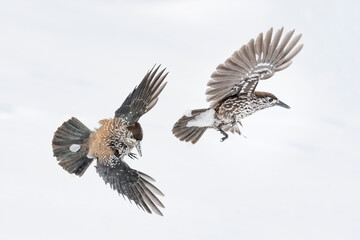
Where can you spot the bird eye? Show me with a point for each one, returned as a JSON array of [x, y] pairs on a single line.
[[270, 100]]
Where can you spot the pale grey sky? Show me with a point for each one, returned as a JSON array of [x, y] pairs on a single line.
[[295, 176]]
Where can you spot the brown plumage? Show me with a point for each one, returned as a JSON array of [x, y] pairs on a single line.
[[75, 146], [231, 91]]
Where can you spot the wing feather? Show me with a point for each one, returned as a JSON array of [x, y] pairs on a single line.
[[257, 60], [222, 68], [144, 97], [287, 50], [259, 46], [282, 45], [132, 184], [266, 44], [251, 52], [292, 54], [275, 43], [244, 57], [285, 65], [237, 63]]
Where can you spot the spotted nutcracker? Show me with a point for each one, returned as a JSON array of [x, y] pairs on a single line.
[[231, 91], [75, 146]]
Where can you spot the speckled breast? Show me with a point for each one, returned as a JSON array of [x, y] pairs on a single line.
[[111, 139], [238, 107]]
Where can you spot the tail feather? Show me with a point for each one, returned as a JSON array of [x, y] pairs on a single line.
[[190, 132], [70, 146]]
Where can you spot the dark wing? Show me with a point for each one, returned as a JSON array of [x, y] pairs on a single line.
[[133, 184], [143, 97], [254, 61]]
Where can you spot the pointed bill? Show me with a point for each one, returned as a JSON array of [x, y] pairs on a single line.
[[281, 104], [138, 148]]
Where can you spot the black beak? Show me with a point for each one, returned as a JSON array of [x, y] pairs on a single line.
[[281, 104], [138, 148]]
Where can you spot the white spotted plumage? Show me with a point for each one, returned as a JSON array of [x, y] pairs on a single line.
[[231, 89]]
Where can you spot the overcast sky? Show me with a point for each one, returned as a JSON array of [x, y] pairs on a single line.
[[296, 175]]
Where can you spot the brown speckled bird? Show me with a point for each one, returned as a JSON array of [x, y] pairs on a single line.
[[231, 91], [75, 146]]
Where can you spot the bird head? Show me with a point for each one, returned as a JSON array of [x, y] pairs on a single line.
[[270, 100], [137, 133]]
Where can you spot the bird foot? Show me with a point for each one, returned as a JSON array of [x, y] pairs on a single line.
[[224, 138], [132, 156], [223, 133]]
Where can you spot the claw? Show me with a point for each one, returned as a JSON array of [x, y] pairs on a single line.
[[224, 138], [223, 133], [132, 155]]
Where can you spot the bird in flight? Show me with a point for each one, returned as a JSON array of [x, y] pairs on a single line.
[[231, 89], [75, 146]]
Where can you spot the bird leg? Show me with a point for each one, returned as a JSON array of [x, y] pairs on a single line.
[[223, 133], [233, 122]]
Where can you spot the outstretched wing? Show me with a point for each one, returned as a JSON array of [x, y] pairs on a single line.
[[254, 61], [133, 184], [143, 97]]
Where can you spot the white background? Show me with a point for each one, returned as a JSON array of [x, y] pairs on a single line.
[[295, 176]]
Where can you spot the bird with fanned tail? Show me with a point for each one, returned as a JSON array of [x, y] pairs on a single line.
[[75, 146], [231, 89]]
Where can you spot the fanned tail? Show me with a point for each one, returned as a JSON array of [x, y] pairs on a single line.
[[70, 146], [192, 126]]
